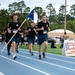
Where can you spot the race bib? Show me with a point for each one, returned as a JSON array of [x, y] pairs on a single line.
[[14, 31], [46, 25], [44, 32], [22, 36]]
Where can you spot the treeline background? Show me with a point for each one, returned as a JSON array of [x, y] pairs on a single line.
[[56, 20]]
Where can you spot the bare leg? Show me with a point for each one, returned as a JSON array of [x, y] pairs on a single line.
[[39, 49], [14, 49], [30, 48], [45, 46]]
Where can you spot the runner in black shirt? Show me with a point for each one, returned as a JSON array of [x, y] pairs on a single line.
[[3, 37], [31, 30], [14, 28], [42, 28], [8, 37]]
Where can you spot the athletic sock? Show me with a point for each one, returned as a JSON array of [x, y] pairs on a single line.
[[14, 57]]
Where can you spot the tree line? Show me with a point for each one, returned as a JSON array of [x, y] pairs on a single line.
[[56, 20]]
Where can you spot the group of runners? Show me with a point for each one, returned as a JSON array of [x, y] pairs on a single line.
[[41, 30]]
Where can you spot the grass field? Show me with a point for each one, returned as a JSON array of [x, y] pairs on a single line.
[[49, 50]]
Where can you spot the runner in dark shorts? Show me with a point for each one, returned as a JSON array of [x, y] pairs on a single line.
[[8, 37], [13, 29], [42, 28], [31, 31], [3, 37]]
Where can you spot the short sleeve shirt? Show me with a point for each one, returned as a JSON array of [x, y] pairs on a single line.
[[31, 33], [45, 25], [14, 28]]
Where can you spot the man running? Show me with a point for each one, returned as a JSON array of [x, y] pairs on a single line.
[[42, 28], [8, 37], [14, 29], [3, 37], [31, 31]]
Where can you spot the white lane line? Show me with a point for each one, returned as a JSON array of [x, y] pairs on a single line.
[[49, 57], [68, 57], [50, 54], [53, 58], [26, 65], [48, 63]]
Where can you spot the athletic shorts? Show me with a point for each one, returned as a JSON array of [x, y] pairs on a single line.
[[15, 39], [42, 38], [31, 40]]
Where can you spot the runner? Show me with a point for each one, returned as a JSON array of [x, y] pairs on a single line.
[[8, 36], [13, 28], [3, 37], [42, 28], [31, 30]]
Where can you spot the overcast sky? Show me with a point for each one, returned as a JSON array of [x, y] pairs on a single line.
[[42, 3]]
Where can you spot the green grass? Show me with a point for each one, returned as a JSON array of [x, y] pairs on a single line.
[[49, 50]]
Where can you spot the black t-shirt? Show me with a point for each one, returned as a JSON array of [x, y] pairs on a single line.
[[8, 35], [31, 33], [3, 35], [45, 25], [14, 27]]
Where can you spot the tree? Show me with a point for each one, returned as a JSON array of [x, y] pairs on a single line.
[[39, 11], [52, 12], [72, 11], [62, 10], [12, 7], [61, 14], [4, 18], [27, 10], [51, 9], [21, 6], [71, 25], [69, 17], [18, 7]]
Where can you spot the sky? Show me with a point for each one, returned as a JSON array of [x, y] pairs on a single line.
[[42, 3]]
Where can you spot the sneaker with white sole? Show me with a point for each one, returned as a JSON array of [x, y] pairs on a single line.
[[14, 57]]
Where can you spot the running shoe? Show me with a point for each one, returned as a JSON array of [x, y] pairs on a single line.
[[32, 54], [44, 55], [14, 57], [8, 53], [39, 57]]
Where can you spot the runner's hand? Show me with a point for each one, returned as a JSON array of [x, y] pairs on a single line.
[[42, 28], [35, 30], [29, 30], [9, 31], [19, 29]]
